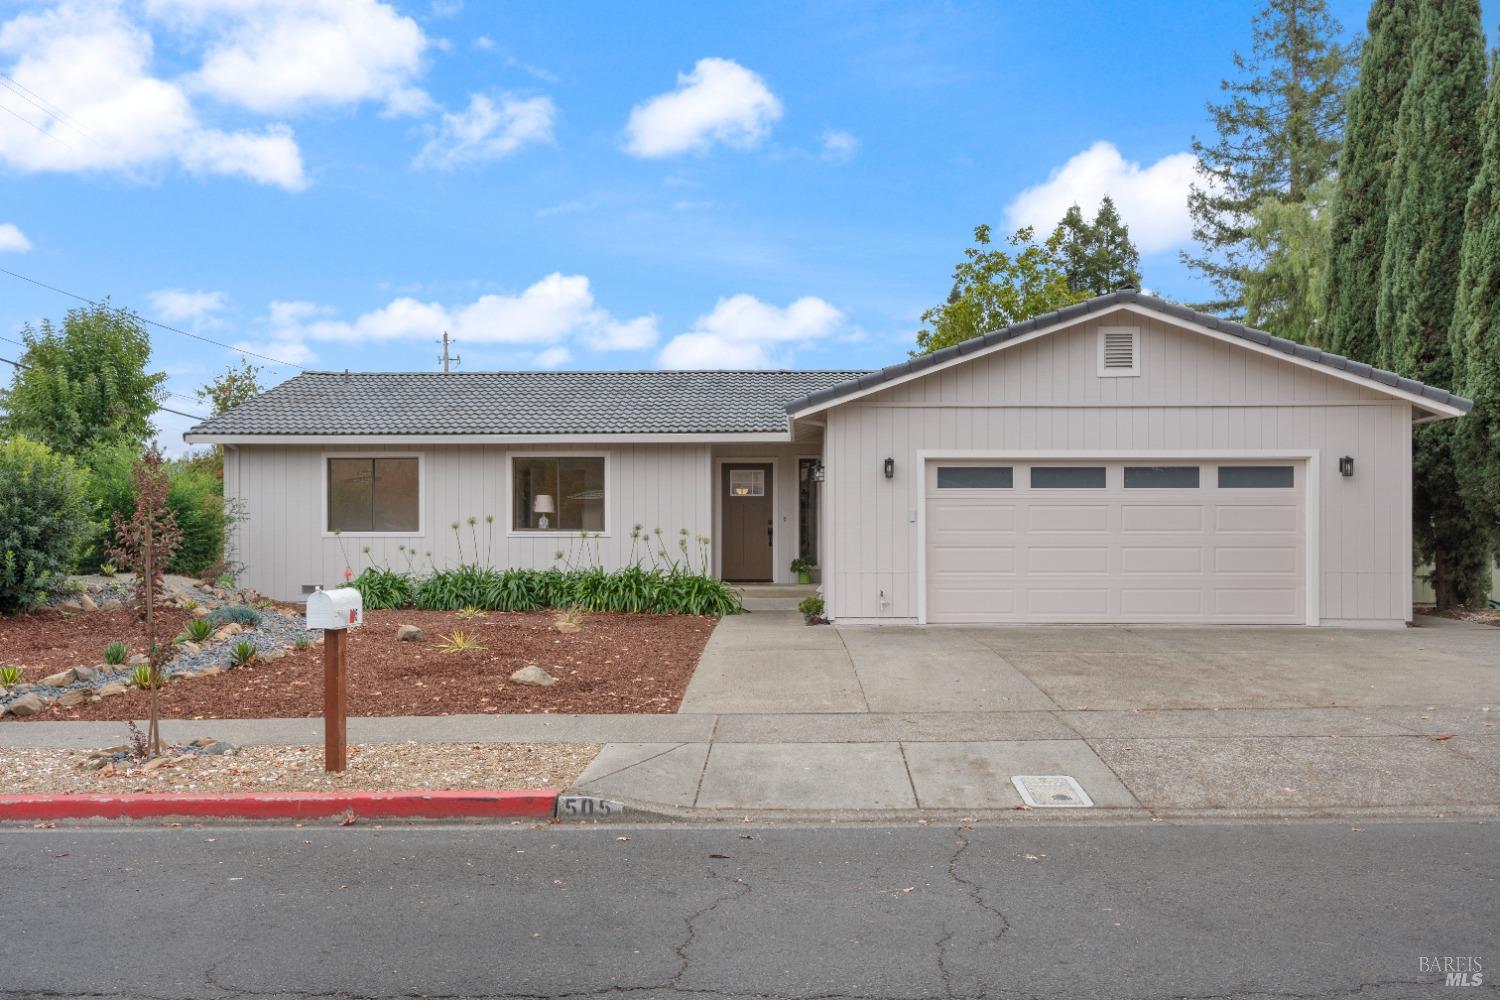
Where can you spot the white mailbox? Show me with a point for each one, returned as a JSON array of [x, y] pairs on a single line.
[[341, 608]]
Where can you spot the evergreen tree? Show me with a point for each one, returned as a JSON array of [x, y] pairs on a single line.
[[1437, 159], [86, 384], [1359, 203], [1279, 132], [1287, 292], [1097, 257], [1475, 336]]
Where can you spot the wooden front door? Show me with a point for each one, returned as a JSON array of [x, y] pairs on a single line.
[[747, 533]]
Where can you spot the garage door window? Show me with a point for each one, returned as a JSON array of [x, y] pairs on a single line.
[[987, 477], [1161, 477], [1069, 477], [1255, 477]]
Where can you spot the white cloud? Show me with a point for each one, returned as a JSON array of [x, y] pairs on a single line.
[[484, 43], [176, 305], [1152, 200], [553, 357], [719, 101], [95, 105], [487, 131], [288, 56], [548, 316], [839, 145], [12, 240], [744, 332]]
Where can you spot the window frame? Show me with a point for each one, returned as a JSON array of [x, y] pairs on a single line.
[[1134, 370], [329, 532], [511, 531]]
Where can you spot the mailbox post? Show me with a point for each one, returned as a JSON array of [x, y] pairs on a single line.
[[335, 612]]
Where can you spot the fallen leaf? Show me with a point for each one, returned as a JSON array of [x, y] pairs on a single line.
[[1443, 736]]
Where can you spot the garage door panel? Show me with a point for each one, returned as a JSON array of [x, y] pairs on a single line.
[[1200, 554]]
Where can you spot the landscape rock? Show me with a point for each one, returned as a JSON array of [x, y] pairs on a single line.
[[533, 676], [188, 647], [209, 671], [201, 612], [137, 660], [27, 704], [111, 689], [409, 633], [71, 605], [60, 679], [87, 673], [87, 603], [218, 747], [77, 696]]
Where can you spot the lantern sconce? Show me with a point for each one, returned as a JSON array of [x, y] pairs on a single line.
[[890, 468], [817, 473], [1346, 466]]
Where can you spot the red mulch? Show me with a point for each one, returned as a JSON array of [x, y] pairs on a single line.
[[618, 663], [45, 641]]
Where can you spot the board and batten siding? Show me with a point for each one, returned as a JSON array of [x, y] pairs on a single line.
[[1194, 393], [279, 539]]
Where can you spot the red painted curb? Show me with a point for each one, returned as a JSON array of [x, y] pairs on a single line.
[[533, 804]]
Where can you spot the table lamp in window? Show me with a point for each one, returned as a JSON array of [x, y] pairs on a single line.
[[543, 506]]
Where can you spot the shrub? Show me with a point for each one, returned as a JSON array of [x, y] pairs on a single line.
[[383, 589], [198, 629], [116, 653], [140, 677], [44, 520], [811, 607], [10, 676], [301, 642], [242, 652], [238, 614], [107, 569], [632, 590], [459, 642], [195, 494]]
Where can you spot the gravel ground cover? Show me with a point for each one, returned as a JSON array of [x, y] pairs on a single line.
[[383, 767], [613, 663]]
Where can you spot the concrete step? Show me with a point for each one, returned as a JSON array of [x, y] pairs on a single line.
[[770, 603], [774, 596]]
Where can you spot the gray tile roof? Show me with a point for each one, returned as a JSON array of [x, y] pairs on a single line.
[[1101, 303], [432, 403]]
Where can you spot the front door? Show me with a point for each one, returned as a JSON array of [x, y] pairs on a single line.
[[748, 522]]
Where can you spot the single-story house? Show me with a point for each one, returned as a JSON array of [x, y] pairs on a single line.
[[1125, 459]]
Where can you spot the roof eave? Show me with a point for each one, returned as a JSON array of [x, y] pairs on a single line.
[[347, 440]]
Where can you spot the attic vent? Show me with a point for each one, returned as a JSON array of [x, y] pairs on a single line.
[[1119, 351]]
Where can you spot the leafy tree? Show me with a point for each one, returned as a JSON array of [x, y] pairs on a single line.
[[86, 383], [1475, 335], [195, 496], [145, 543], [1437, 159], [1287, 291], [1279, 131], [1359, 203], [993, 289], [231, 387], [1098, 257], [44, 518]]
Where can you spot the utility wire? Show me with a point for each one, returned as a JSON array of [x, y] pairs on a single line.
[[164, 409], [28, 121], [43, 105], [152, 322]]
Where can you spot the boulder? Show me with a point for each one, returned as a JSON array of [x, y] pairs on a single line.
[[87, 603], [77, 696], [87, 673], [60, 679], [27, 704], [137, 660], [209, 671], [201, 612], [409, 633], [533, 676], [217, 747], [112, 688], [71, 605]]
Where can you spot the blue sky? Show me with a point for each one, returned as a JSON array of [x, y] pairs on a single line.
[[584, 185]]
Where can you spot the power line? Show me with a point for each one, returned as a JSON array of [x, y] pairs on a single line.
[[28, 121], [152, 322], [43, 105], [164, 409]]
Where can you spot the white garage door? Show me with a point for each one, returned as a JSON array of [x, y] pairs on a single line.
[[1116, 542]]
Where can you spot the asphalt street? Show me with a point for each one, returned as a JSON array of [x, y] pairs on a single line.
[[1013, 910]]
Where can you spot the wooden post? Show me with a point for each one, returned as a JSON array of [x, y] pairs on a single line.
[[335, 700]]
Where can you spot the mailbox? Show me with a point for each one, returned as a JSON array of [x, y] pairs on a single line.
[[335, 609]]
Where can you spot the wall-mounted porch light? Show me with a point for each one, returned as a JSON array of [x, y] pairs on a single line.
[[1346, 466], [817, 473], [890, 468]]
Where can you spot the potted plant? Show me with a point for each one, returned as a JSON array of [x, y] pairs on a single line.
[[803, 567]]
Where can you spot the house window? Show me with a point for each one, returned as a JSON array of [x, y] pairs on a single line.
[[747, 482], [1067, 477], [1255, 477], [975, 477], [374, 495], [1161, 477], [557, 494]]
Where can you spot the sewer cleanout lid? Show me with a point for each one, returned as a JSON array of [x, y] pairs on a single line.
[[1051, 791]]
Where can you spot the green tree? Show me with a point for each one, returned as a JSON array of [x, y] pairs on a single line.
[[44, 518], [1437, 159], [1287, 291], [993, 289], [1475, 335], [1359, 202], [1097, 257], [231, 387], [1278, 133], [85, 383]]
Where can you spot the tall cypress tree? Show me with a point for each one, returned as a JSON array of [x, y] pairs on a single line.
[[1437, 158], [1475, 336], [1279, 133], [1359, 206]]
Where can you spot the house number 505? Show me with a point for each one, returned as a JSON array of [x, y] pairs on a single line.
[[587, 807]]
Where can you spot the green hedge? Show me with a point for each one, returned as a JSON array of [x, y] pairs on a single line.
[[44, 520], [195, 493], [633, 590]]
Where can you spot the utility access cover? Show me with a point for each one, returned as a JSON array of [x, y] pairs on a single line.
[[1051, 791]]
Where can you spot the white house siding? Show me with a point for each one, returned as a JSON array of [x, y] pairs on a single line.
[[280, 539], [1194, 393]]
